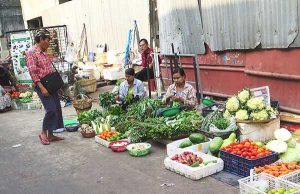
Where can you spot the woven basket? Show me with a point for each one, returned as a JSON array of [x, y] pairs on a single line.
[[88, 135], [82, 103], [88, 85]]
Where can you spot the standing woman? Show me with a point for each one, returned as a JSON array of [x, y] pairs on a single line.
[[39, 66]]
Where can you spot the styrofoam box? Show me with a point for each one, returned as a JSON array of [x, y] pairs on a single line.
[[102, 141], [195, 173], [172, 148], [113, 74]]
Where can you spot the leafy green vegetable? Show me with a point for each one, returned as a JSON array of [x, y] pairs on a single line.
[[221, 123], [143, 108], [87, 117], [106, 99]]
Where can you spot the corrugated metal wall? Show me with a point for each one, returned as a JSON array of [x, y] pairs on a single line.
[[180, 24], [10, 16], [107, 21], [232, 24]]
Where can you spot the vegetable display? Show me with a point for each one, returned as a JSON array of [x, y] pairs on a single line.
[[188, 158], [87, 117], [84, 128], [210, 118], [106, 135], [106, 99], [282, 190], [143, 108], [278, 169], [221, 123], [246, 107], [247, 149]]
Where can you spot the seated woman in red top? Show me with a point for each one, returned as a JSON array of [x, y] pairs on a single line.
[[39, 65]]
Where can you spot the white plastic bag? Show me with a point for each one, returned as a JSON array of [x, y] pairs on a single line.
[[70, 54], [230, 128]]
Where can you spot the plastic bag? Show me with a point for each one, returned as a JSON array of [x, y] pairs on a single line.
[[70, 54], [230, 128]]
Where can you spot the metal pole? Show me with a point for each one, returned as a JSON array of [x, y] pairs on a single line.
[[148, 76], [196, 79], [171, 67], [199, 77]]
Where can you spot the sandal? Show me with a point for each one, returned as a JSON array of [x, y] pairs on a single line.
[[44, 141], [55, 138]]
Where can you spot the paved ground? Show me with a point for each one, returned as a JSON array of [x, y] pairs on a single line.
[[78, 165]]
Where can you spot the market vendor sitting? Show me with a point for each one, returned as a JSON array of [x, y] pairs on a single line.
[[180, 91], [7, 80], [131, 89], [5, 100]]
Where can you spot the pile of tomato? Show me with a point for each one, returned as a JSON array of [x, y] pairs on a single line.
[[247, 149]]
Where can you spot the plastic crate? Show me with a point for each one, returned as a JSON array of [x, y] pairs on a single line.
[[262, 183], [241, 166], [292, 176]]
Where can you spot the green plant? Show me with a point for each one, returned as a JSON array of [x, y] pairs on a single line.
[[106, 99]]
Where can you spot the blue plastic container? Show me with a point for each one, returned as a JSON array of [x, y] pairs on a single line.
[[241, 166]]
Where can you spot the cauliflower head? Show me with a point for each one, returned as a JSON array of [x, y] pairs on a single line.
[[232, 104], [256, 104], [244, 95], [242, 115], [226, 114], [272, 111], [260, 115]]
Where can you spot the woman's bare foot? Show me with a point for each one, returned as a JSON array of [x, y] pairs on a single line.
[[54, 138]]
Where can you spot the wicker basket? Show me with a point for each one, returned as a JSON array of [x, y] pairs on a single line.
[[88, 85], [82, 103], [88, 135]]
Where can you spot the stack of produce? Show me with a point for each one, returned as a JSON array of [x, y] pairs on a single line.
[[278, 169], [180, 125], [217, 143], [106, 135], [244, 106], [285, 145], [247, 149], [87, 117], [188, 158], [194, 138]]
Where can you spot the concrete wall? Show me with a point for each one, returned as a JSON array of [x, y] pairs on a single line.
[[10, 16]]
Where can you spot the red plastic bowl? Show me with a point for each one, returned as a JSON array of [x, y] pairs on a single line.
[[115, 148]]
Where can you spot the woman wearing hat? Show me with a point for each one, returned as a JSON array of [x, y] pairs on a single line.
[[39, 66]]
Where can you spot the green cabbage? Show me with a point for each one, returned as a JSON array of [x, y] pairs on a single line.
[[277, 146], [291, 155]]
